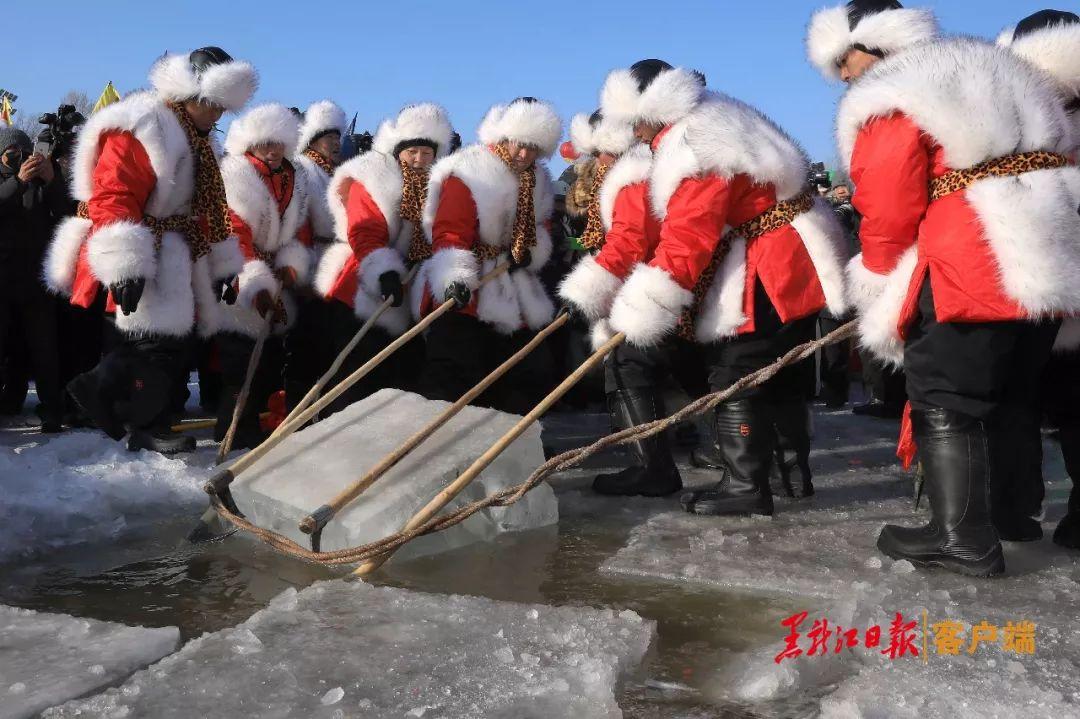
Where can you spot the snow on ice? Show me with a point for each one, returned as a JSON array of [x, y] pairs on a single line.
[[306, 470], [47, 659], [83, 488], [823, 552], [344, 649]]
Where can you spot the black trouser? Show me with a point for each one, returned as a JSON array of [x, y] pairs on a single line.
[[35, 312], [631, 367], [462, 350], [990, 371], [398, 371], [81, 331], [731, 360], [127, 369], [309, 347], [886, 384], [235, 352], [835, 361]]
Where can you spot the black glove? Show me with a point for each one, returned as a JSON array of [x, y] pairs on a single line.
[[526, 260], [127, 293], [225, 290], [459, 292], [576, 315], [390, 287]]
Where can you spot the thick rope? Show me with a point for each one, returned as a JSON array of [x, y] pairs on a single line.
[[560, 463]]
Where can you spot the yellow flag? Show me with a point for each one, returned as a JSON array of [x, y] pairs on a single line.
[[108, 96], [6, 112]]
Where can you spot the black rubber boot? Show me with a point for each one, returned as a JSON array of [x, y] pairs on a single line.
[[746, 439], [1067, 533], [707, 454], [960, 537], [95, 393], [1016, 482], [655, 474], [161, 440], [791, 476]]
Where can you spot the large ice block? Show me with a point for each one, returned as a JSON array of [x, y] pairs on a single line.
[[310, 467], [349, 649], [47, 659]]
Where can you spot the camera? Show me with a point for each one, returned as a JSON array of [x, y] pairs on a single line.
[[59, 133], [819, 177]]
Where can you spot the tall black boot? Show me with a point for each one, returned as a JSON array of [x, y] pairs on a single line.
[[655, 474], [98, 391], [791, 473], [745, 435], [248, 433], [707, 454], [960, 537], [148, 411], [1067, 533]]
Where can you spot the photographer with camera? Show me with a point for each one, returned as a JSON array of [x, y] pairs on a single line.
[[32, 200]]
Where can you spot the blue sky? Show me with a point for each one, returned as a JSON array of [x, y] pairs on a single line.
[[372, 58]]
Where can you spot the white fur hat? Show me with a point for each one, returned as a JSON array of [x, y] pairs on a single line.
[[228, 83], [263, 124], [1052, 44], [321, 117], [876, 25], [596, 133], [426, 121], [651, 91], [526, 121]]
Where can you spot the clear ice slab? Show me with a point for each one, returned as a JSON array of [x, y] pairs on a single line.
[[349, 649], [306, 470], [47, 659]]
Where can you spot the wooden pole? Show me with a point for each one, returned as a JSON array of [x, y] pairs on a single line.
[[301, 419], [317, 388], [245, 390], [318, 519], [454, 488]]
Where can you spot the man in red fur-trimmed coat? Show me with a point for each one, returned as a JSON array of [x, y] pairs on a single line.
[[152, 231], [377, 201], [491, 204], [969, 252], [268, 206], [723, 175]]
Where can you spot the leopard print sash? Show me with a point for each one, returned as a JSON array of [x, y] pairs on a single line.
[[414, 189], [780, 214], [320, 161], [593, 236], [523, 233], [1008, 166], [181, 224]]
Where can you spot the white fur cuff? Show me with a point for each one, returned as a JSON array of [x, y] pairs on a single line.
[[122, 251], [600, 333], [648, 306], [375, 264], [225, 260], [63, 254], [863, 287], [590, 288], [452, 265], [298, 257], [254, 278]]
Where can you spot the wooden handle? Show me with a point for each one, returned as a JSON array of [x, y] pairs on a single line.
[[245, 390], [310, 523], [317, 388], [454, 488]]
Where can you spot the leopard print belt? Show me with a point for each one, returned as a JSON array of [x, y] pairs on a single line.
[[1008, 166], [185, 225], [780, 214]]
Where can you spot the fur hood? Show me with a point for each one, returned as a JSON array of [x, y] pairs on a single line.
[[263, 124], [229, 85], [605, 136], [670, 97], [831, 35], [322, 116], [523, 121], [1055, 50], [936, 84], [726, 137], [426, 121], [249, 198]]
